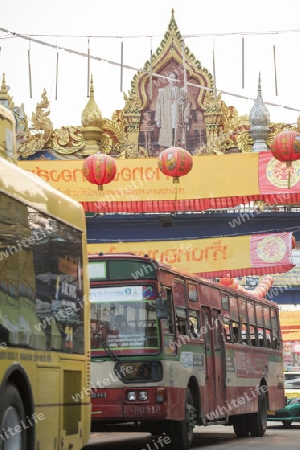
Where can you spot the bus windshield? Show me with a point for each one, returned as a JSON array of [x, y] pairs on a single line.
[[123, 318]]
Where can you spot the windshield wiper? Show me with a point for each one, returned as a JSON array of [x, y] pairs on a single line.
[[108, 350]]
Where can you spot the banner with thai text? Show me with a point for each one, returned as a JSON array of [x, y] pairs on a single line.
[[215, 257], [216, 181]]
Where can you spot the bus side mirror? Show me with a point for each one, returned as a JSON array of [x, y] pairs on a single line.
[[161, 308]]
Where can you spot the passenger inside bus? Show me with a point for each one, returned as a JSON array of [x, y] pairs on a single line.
[[121, 323]]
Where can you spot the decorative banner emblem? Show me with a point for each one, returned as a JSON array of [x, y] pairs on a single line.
[[278, 173], [271, 249]]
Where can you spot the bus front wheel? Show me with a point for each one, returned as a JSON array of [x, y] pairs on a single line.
[[241, 427], [182, 433], [12, 416], [287, 424], [258, 421]]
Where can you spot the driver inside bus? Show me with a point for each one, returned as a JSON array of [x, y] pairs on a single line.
[[121, 323]]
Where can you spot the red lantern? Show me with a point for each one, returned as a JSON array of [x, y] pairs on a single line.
[[175, 162], [230, 282], [227, 281], [99, 169], [286, 148]]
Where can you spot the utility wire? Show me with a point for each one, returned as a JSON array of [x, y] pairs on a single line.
[[12, 34]]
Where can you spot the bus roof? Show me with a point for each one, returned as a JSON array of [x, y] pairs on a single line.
[[179, 272], [40, 195]]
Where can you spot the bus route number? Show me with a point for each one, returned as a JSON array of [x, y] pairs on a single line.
[[141, 410]]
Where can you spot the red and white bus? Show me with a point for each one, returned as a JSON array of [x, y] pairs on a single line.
[[170, 351]]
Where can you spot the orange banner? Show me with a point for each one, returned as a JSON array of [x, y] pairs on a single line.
[[215, 257], [290, 325], [214, 182], [141, 179]]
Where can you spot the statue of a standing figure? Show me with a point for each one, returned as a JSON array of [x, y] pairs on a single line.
[[172, 113]]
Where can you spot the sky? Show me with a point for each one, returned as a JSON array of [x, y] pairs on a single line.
[[207, 27]]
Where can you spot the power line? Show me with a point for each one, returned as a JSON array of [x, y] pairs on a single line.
[[139, 36], [30, 38]]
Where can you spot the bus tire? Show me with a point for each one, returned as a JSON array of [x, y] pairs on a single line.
[[182, 433], [241, 427], [287, 424], [12, 414], [258, 421]]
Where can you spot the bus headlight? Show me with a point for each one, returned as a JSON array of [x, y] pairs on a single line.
[[143, 395], [131, 396], [160, 395]]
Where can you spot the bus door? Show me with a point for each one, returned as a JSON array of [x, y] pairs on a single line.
[[219, 357], [210, 379]]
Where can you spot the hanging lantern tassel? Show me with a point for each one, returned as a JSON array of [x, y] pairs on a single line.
[[289, 170], [184, 68], [214, 70], [150, 81], [88, 69], [175, 203], [275, 71], [121, 73], [56, 81], [243, 63], [29, 73]]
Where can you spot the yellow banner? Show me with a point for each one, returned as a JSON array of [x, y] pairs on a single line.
[[290, 319], [194, 256], [291, 335], [140, 179]]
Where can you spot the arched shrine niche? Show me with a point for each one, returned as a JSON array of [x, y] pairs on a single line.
[[166, 105]]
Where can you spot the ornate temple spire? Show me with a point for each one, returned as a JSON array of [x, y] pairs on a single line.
[[5, 98], [259, 122], [91, 120]]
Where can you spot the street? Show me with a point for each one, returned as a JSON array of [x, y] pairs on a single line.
[[209, 438]]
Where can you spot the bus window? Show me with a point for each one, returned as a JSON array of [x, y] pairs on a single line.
[[252, 323], [233, 309], [192, 291], [251, 313], [235, 331], [226, 330], [207, 331], [243, 310], [169, 323], [244, 321], [181, 321], [267, 317], [253, 336], [268, 338], [275, 329], [259, 315], [216, 329], [261, 337], [194, 323], [245, 334], [179, 292]]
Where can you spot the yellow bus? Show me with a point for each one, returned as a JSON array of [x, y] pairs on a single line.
[[44, 309]]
